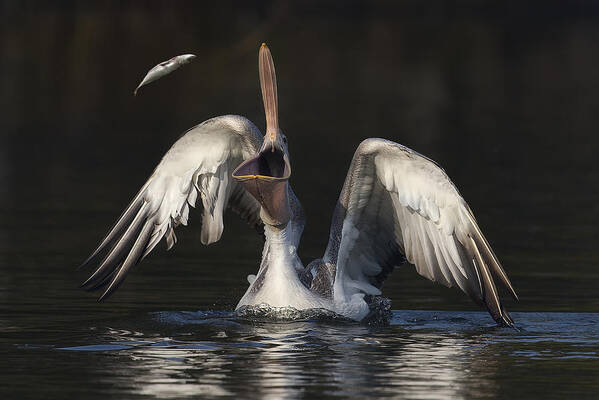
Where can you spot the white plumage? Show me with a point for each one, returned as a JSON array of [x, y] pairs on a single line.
[[396, 206], [198, 165]]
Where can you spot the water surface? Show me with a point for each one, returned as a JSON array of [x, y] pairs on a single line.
[[420, 354]]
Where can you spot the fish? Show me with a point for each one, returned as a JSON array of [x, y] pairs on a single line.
[[164, 68]]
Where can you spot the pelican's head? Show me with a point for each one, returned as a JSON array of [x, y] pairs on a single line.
[[266, 175]]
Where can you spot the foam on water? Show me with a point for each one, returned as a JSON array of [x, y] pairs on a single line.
[[264, 312], [380, 313]]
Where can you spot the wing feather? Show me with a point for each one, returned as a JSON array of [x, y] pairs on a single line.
[[196, 170], [398, 205], [124, 220], [132, 258]]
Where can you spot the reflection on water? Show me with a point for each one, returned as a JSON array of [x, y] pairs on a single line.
[[436, 355]]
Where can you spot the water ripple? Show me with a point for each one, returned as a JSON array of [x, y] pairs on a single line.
[[419, 354]]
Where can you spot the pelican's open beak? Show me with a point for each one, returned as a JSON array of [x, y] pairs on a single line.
[[265, 176]]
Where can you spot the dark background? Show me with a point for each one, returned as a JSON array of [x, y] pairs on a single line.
[[504, 95]]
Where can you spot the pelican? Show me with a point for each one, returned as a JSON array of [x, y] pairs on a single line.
[[396, 207]]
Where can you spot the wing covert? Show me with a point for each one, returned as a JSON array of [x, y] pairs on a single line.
[[196, 170], [397, 205]]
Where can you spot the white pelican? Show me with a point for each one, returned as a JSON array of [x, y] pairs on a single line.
[[395, 206]]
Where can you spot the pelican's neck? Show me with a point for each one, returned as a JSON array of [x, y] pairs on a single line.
[[280, 248], [280, 252], [276, 235], [277, 282]]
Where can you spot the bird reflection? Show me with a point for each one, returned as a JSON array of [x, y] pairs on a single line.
[[302, 359]]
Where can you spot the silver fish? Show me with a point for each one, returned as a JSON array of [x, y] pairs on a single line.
[[164, 68]]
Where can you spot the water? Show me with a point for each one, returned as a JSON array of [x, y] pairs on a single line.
[[504, 96], [420, 354]]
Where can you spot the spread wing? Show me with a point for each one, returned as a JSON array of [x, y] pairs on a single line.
[[195, 171], [397, 205]]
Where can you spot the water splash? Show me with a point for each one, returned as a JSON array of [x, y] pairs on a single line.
[[265, 312], [380, 313]]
